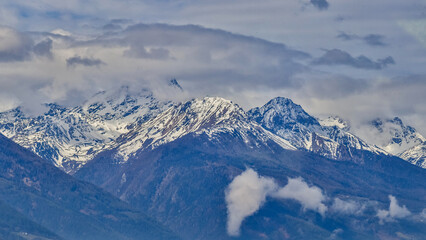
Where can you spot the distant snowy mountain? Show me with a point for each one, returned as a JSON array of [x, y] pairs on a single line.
[[398, 139], [328, 137], [395, 137], [72, 136]]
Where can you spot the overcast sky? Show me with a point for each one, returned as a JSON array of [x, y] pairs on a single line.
[[357, 59]]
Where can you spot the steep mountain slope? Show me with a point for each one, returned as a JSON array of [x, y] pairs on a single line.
[[70, 208], [178, 170], [70, 137], [415, 155], [329, 138], [15, 226]]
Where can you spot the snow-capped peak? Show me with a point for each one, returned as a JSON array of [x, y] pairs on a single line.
[[282, 111], [392, 135], [70, 137], [209, 115], [416, 155], [328, 137]]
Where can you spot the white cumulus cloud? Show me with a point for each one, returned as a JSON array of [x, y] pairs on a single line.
[[394, 211], [244, 196], [347, 206], [310, 197]]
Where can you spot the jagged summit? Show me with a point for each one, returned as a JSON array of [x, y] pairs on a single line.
[[174, 83], [282, 111]]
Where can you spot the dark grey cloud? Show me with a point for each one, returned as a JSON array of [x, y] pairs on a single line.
[[320, 4], [121, 21], [164, 35], [347, 37], [43, 48], [87, 62], [339, 57], [111, 27], [375, 40]]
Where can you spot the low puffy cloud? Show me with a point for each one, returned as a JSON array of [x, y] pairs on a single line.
[[311, 197], [249, 191], [335, 234], [422, 215], [244, 196], [87, 62], [339, 57], [370, 39], [348, 207], [395, 211]]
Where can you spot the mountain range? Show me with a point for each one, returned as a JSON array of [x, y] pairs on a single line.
[[70, 137], [180, 162]]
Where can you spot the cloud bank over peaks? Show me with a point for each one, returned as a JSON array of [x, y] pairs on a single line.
[[53, 66]]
